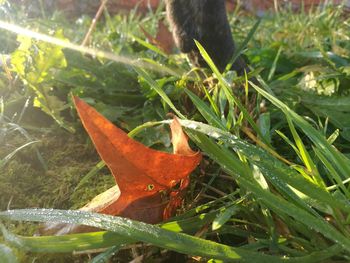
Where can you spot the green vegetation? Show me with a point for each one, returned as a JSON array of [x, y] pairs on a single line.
[[274, 185]]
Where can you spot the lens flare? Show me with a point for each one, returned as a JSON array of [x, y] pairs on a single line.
[[135, 62]]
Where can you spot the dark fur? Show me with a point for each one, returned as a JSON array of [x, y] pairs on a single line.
[[205, 21]]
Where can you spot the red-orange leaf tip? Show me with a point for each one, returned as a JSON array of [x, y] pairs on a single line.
[[145, 176]]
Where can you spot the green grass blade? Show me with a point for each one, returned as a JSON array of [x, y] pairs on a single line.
[[305, 156], [104, 257], [204, 109], [274, 64], [265, 125], [9, 156], [335, 157], [228, 92], [211, 100], [65, 244], [96, 240], [90, 174], [7, 255], [240, 49], [150, 46], [139, 231], [273, 202], [332, 174], [189, 225], [222, 218], [277, 172], [158, 89], [290, 143]]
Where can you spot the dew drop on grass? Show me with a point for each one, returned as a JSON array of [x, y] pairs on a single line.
[[255, 158], [232, 142], [214, 134], [193, 126], [97, 220]]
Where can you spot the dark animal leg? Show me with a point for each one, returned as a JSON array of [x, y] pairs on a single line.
[[205, 21]]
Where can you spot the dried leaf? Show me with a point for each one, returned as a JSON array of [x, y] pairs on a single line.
[[144, 177], [163, 40]]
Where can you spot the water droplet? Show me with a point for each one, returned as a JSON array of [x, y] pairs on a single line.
[[214, 134], [98, 220], [192, 126], [255, 158]]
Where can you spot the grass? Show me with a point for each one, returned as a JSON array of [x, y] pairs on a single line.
[[274, 185]]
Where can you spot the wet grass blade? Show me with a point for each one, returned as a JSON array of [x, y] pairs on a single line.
[[65, 244], [272, 201], [278, 173], [204, 109], [96, 240], [129, 229], [7, 255], [336, 158]]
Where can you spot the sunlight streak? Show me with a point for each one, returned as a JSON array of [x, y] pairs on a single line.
[[138, 62]]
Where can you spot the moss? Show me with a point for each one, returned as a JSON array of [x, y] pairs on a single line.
[[25, 183]]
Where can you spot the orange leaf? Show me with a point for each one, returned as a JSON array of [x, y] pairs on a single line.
[[142, 174], [163, 40]]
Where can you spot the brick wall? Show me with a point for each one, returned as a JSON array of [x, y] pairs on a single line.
[[78, 7], [251, 5], [260, 6]]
